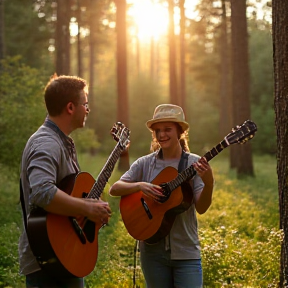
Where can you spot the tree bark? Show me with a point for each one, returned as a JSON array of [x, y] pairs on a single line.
[[242, 154], [152, 58], [79, 54], [122, 105], [280, 60], [62, 39], [2, 38], [172, 57], [93, 17], [182, 101], [225, 122]]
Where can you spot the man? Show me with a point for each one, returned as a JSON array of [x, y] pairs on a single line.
[[49, 156]]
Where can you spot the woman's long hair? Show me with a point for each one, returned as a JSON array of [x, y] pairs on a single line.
[[182, 136]]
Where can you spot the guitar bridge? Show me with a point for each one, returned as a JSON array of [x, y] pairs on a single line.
[[146, 208], [78, 230]]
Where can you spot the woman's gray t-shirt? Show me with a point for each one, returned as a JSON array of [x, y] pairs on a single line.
[[183, 238]]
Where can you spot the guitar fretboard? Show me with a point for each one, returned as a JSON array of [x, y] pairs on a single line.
[[105, 173], [190, 172]]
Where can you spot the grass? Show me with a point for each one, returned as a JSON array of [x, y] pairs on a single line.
[[239, 233]]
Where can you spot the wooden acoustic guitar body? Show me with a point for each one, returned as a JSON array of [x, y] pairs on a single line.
[[149, 220], [55, 241]]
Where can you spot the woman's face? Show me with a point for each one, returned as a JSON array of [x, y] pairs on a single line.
[[167, 134]]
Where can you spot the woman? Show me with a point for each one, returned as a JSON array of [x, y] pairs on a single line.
[[175, 260]]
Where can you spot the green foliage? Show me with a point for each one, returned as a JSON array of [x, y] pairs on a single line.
[[9, 268], [115, 263], [143, 90], [261, 63], [239, 236], [10, 201], [29, 31], [261, 67], [21, 109], [265, 142], [85, 140], [10, 221], [103, 112], [239, 233], [203, 133], [27, 34], [230, 258]]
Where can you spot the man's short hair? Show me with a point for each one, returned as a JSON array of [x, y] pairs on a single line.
[[61, 90]]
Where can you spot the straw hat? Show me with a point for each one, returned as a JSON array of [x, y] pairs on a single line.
[[168, 113]]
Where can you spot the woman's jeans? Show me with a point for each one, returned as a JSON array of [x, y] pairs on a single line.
[[162, 272]]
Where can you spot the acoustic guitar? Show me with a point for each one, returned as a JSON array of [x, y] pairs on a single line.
[[68, 246], [149, 220]]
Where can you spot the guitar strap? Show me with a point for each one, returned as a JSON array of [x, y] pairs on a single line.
[[23, 206], [183, 164], [183, 161]]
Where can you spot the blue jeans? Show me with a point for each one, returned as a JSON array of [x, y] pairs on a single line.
[[41, 280], [162, 272]]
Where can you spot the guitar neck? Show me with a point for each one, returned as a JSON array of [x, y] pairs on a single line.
[[190, 172], [105, 173], [216, 150]]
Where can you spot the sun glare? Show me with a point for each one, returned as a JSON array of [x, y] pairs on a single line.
[[150, 18]]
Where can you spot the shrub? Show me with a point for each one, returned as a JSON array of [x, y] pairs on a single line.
[[231, 258], [9, 267], [22, 109]]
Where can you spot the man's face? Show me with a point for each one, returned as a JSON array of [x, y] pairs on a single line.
[[81, 111]]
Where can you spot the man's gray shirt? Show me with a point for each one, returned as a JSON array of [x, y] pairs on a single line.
[[49, 156]]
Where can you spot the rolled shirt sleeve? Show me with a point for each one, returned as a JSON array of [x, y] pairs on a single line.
[[42, 173]]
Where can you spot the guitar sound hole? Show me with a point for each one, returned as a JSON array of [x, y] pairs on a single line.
[[89, 231], [166, 192], [89, 227]]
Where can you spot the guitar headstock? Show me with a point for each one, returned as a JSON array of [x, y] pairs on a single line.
[[121, 134], [242, 134]]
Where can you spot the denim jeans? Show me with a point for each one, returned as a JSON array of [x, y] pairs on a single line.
[[162, 272], [41, 280]]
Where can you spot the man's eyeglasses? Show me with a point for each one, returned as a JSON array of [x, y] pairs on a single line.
[[86, 105]]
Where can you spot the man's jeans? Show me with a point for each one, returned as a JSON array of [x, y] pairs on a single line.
[[41, 280]]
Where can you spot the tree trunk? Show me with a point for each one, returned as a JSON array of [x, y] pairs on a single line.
[[152, 58], [172, 57], [280, 58], [93, 18], [2, 41], [182, 101], [79, 54], [92, 44], [225, 122], [62, 39], [122, 105], [137, 55], [240, 84]]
